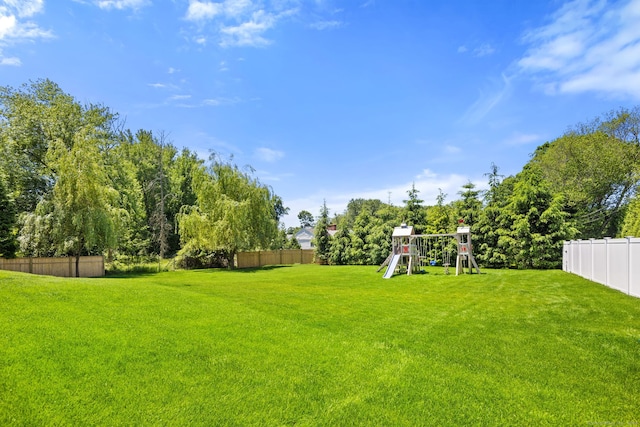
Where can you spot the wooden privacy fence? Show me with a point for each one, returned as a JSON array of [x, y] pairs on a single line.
[[285, 256], [90, 266], [611, 262]]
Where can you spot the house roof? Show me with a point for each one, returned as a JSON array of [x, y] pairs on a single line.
[[309, 232]]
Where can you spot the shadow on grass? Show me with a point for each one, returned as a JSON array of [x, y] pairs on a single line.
[[151, 272], [257, 269], [128, 274]]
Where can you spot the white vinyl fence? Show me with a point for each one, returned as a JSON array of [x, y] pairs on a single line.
[[611, 262]]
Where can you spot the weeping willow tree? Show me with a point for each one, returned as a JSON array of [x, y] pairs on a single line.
[[233, 212], [84, 202]]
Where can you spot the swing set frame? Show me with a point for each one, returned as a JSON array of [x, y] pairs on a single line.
[[411, 251]]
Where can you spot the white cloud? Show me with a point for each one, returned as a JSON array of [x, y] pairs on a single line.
[[22, 8], [484, 49], [518, 138], [587, 46], [7, 26], [249, 33], [15, 29], [452, 149], [487, 101], [179, 97], [199, 11], [12, 61], [237, 22], [216, 102], [268, 155], [121, 4], [326, 25]]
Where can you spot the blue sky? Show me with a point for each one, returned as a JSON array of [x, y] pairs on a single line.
[[335, 99]]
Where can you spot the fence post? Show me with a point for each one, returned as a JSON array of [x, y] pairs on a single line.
[[592, 259], [628, 265], [606, 260], [579, 257]]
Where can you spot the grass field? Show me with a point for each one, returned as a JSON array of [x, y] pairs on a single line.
[[317, 345]]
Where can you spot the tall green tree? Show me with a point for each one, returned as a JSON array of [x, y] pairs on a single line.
[[84, 202], [534, 225], [378, 233], [359, 237], [32, 119], [340, 246], [233, 212], [631, 224], [489, 228], [306, 218], [415, 213], [468, 208], [595, 166], [8, 243], [321, 237], [441, 216], [182, 173]]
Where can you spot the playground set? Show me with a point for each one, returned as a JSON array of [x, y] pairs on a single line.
[[410, 252]]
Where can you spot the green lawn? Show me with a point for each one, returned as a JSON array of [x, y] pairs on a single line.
[[317, 345]]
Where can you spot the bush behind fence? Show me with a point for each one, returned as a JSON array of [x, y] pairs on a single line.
[[612, 262]]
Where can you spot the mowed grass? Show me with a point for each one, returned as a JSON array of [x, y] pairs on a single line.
[[318, 345]]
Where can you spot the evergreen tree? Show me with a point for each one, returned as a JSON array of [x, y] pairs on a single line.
[[321, 238], [291, 243], [415, 214], [441, 216], [537, 224], [378, 233], [487, 230], [359, 237], [469, 207], [340, 245]]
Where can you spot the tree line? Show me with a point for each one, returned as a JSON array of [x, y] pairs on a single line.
[[75, 181], [582, 185]]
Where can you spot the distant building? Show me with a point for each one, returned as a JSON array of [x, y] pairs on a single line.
[[304, 236]]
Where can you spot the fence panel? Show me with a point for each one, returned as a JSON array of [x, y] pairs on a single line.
[[248, 259], [599, 261], [611, 262], [634, 267], [585, 259], [285, 256], [619, 265], [90, 266]]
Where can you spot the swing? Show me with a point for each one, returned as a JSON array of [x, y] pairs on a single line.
[[433, 261]]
